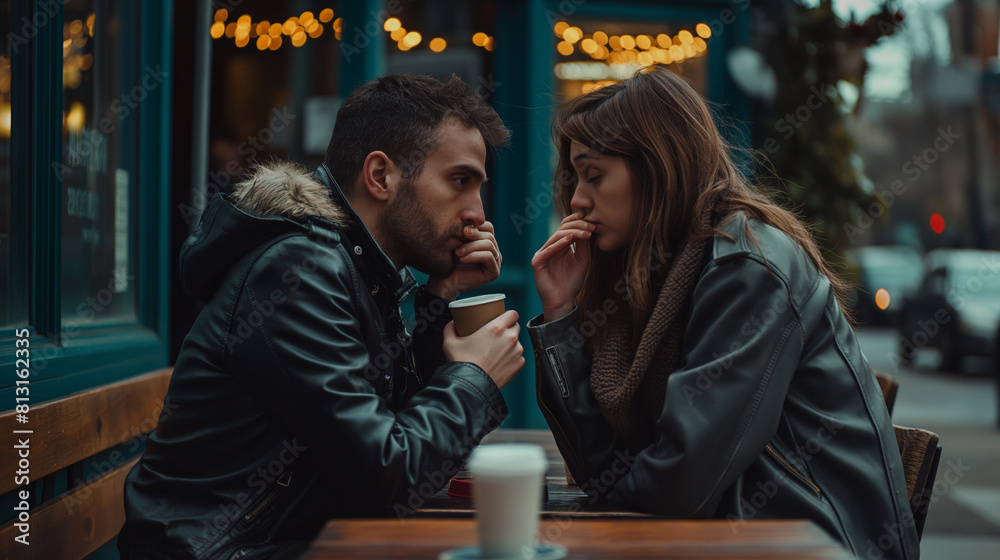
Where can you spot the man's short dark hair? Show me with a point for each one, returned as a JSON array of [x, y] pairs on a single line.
[[399, 114]]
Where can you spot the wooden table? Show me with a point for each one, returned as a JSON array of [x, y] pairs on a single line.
[[564, 500], [588, 529], [617, 539]]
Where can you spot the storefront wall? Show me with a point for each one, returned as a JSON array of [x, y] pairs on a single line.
[[86, 185]]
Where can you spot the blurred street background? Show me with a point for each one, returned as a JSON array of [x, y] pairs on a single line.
[[878, 121]]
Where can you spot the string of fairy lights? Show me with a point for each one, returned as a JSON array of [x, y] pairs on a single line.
[[296, 30], [643, 49], [267, 35], [614, 57], [614, 49], [617, 55]]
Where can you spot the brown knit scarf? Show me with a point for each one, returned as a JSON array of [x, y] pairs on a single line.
[[631, 388]]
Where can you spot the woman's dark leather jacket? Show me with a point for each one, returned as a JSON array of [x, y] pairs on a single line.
[[296, 397], [773, 413]]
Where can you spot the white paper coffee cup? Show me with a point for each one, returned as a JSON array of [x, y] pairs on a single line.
[[507, 495]]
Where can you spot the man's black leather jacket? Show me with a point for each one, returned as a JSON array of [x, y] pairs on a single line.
[[296, 397], [773, 413]]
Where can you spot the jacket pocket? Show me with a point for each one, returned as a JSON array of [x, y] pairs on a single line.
[[787, 465], [253, 528]]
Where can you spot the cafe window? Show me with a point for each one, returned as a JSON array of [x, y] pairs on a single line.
[[275, 85], [593, 53], [84, 176], [441, 38]]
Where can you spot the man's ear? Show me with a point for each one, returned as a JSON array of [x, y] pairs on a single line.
[[379, 176]]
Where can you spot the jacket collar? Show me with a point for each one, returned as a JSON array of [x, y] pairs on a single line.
[[360, 242]]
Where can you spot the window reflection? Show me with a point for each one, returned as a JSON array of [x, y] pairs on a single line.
[[102, 92]]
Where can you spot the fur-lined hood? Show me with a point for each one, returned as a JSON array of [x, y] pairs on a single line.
[[284, 188], [260, 208]]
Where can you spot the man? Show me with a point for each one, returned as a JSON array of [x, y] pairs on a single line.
[[296, 396]]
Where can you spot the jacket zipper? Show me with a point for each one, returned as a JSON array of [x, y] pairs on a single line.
[[548, 413], [260, 507], [248, 516], [789, 466]]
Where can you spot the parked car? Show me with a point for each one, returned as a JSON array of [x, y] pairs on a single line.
[[897, 269], [956, 308]]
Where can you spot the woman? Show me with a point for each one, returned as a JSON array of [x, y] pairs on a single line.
[[693, 357]]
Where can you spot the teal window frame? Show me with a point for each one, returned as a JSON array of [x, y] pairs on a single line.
[[64, 362]]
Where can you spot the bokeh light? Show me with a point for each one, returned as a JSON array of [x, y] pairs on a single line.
[[882, 298], [937, 223]]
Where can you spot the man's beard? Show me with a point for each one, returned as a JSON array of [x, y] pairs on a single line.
[[408, 234]]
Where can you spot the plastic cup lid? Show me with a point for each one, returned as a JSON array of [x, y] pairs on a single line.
[[476, 300]]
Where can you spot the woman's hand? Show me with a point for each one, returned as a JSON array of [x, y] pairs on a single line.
[[561, 265]]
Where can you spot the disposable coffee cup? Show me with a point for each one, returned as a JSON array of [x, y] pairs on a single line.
[[507, 495], [472, 313]]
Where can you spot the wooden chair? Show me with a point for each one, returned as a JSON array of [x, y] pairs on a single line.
[[66, 432], [889, 387], [920, 452]]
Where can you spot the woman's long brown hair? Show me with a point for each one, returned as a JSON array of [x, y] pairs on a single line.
[[678, 163]]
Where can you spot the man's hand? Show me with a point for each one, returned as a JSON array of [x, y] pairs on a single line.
[[494, 347], [478, 263]]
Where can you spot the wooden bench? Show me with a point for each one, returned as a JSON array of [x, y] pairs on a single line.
[[67, 431]]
